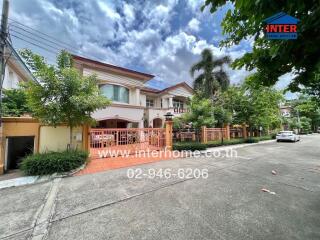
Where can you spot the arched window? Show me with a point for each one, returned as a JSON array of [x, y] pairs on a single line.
[[115, 93]]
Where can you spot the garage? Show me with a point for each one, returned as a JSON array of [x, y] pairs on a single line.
[[17, 148]]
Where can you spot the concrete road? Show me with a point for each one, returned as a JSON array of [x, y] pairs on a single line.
[[229, 204]]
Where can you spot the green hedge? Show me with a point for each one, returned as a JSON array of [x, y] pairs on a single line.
[[251, 140], [192, 146], [268, 137], [53, 162], [225, 142]]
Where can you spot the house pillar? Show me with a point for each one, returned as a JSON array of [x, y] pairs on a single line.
[[169, 126], [170, 102], [137, 96], [204, 138]]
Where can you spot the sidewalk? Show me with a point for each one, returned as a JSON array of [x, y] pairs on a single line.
[[103, 164]]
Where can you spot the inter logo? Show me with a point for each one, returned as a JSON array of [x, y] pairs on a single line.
[[281, 26]]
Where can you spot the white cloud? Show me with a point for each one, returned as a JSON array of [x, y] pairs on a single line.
[[194, 25], [108, 10], [126, 34], [129, 13]]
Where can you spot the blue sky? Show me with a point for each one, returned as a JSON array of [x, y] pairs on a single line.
[[161, 37]]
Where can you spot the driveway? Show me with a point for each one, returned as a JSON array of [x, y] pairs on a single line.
[[228, 204]]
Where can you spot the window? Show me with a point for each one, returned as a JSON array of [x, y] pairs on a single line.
[[115, 93], [177, 104], [150, 102]]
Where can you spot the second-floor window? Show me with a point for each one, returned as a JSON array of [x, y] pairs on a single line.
[[115, 93], [150, 102], [177, 104]]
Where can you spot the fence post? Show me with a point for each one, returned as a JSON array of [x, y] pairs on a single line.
[[227, 126], [169, 125], [86, 137], [204, 138], [244, 131]]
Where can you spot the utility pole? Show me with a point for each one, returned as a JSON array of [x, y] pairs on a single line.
[[3, 43]]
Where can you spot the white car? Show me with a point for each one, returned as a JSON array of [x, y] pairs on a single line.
[[287, 136]]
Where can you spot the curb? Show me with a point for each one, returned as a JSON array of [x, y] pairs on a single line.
[[236, 146], [28, 180]]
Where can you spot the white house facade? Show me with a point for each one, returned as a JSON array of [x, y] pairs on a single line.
[[15, 70], [133, 104]]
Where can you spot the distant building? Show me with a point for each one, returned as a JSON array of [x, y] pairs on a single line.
[[286, 111]]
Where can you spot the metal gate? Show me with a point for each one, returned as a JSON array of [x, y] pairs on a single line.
[[130, 140]]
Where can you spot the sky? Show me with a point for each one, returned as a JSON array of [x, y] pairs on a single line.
[[160, 37]]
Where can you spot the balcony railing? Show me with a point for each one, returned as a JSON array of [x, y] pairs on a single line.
[[180, 110]]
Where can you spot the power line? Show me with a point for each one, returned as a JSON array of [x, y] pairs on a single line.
[[36, 40], [38, 35], [48, 50], [51, 39], [12, 20]]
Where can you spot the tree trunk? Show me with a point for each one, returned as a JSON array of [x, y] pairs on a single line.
[[70, 139]]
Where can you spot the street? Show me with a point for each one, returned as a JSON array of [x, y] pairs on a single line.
[[229, 204]]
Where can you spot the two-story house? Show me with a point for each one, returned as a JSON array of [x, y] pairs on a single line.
[[133, 104]]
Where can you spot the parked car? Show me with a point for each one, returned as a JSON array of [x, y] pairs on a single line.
[[287, 136], [318, 130]]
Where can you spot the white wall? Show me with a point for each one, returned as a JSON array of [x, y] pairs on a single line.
[[118, 112], [143, 99], [11, 79], [180, 91]]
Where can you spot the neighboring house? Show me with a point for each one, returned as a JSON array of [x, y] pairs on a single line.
[[133, 104], [285, 111], [18, 136], [16, 71]]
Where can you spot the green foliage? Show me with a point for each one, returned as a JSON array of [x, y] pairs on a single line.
[[14, 103], [305, 124], [212, 76], [251, 140], [189, 146], [273, 58], [221, 115], [254, 104], [306, 106], [218, 143], [193, 146], [201, 112], [294, 123], [53, 162], [62, 95], [178, 122], [267, 137]]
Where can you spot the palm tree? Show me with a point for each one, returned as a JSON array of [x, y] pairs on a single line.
[[212, 77]]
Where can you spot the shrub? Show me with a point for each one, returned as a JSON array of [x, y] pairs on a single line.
[[225, 142], [53, 162], [251, 140], [268, 137], [192, 146]]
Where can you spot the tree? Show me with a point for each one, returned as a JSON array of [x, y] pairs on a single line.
[[62, 95], [273, 58], [293, 123], [14, 103], [305, 124], [306, 106], [212, 76], [201, 112], [254, 104]]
